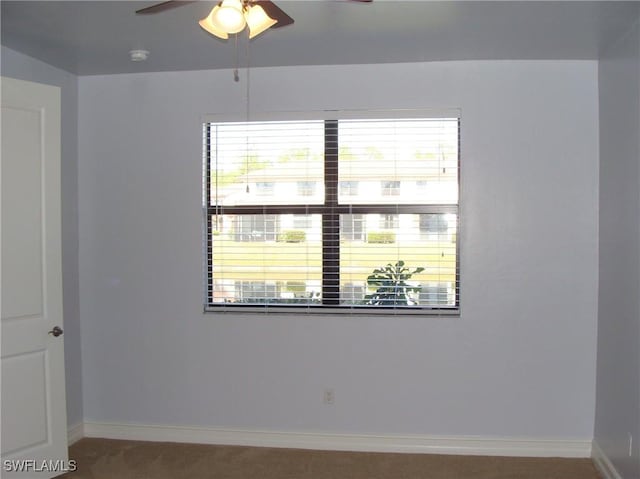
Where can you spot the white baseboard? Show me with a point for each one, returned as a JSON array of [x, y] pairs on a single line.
[[486, 446], [603, 463], [75, 433]]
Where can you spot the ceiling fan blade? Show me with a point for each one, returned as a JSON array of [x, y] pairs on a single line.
[[161, 7], [275, 12]]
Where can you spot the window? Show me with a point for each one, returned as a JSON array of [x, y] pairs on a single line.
[[265, 188], [256, 227], [352, 227], [302, 222], [435, 294], [323, 214], [389, 222], [390, 188], [351, 293], [255, 291], [348, 188], [306, 188], [435, 223], [435, 226]]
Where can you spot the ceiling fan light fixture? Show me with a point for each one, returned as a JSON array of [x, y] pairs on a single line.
[[208, 25], [258, 20], [229, 16]]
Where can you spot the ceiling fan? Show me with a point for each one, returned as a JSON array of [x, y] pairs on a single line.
[[232, 16]]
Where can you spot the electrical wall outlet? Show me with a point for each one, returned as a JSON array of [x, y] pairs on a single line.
[[329, 396]]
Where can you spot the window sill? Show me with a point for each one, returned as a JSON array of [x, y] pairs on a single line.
[[344, 311]]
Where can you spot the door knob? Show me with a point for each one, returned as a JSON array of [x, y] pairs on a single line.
[[56, 331]]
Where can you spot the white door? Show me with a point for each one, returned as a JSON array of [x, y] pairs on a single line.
[[34, 429]]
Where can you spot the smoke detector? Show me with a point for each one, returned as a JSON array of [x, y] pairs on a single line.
[[138, 55]]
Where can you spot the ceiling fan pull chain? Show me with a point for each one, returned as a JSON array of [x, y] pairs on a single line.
[[236, 75], [248, 111]]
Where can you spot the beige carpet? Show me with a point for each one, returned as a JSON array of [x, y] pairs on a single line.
[[105, 458]]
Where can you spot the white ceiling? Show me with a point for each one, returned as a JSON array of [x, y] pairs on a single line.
[[94, 37]]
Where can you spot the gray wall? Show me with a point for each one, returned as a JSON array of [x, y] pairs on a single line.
[[520, 362], [618, 367], [17, 65]]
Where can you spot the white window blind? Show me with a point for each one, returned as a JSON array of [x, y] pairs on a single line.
[[354, 215]]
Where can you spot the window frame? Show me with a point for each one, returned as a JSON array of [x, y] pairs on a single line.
[[330, 211]]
